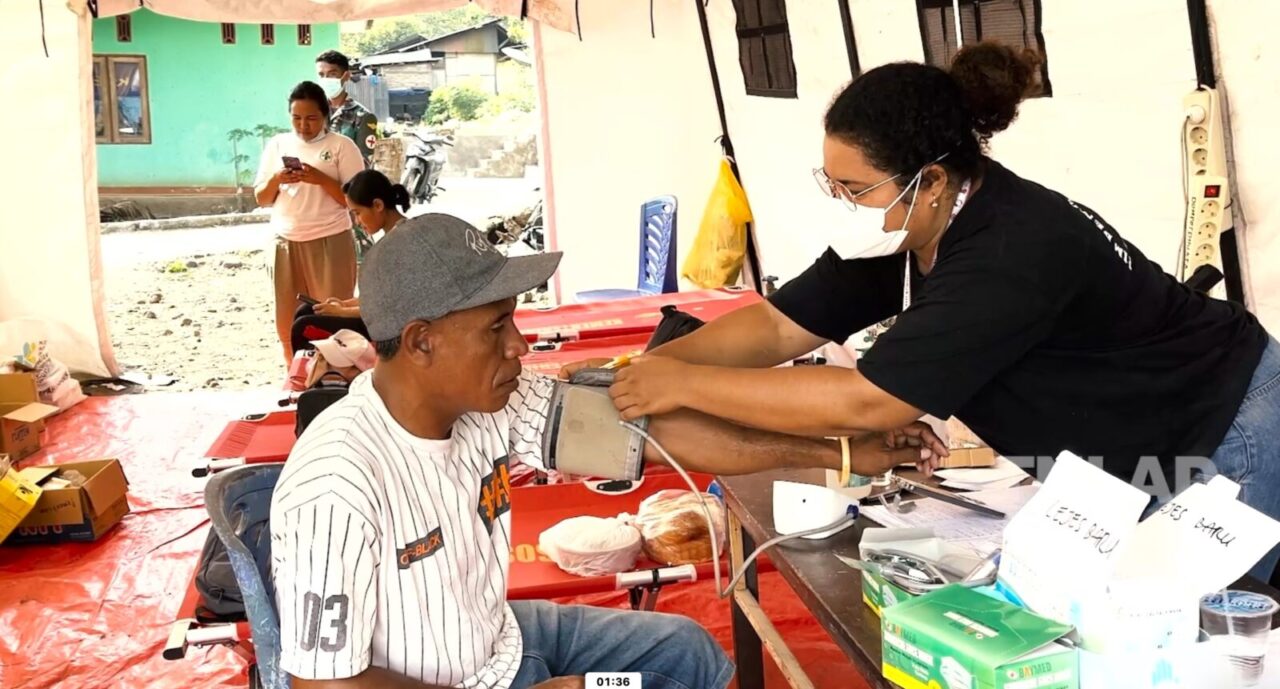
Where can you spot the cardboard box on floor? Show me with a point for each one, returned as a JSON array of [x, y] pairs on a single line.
[[81, 513], [21, 415], [18, 496]]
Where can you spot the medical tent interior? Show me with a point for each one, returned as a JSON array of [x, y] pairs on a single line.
[[631, 112], [638, 97]]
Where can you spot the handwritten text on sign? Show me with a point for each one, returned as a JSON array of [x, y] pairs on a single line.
[[1077, 522]]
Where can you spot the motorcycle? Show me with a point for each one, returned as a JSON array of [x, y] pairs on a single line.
[[424, 159], [522, 234], [525, 228]]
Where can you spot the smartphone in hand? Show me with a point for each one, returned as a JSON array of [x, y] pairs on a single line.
[[307, 300], [291, 163]]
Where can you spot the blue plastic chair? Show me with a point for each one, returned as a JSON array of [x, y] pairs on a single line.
[[657, 272], [239, 504]]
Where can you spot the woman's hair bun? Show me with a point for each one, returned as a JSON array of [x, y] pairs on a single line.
[[994, 79]]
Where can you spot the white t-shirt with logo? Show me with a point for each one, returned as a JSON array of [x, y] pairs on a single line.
[[305, 212], [391, 551]]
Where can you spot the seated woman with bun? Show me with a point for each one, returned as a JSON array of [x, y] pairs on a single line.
[[374, 199]]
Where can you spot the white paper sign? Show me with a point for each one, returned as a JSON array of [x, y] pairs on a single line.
[[1203, 537], [1061, 549]]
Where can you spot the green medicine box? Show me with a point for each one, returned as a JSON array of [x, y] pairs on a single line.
[[959, 638]]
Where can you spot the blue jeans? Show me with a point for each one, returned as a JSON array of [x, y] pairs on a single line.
[[669, 651], [1250, 454]]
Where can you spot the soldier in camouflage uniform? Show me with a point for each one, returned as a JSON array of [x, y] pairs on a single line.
[[348, 118]]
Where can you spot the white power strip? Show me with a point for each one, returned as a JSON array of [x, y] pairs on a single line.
[[1206, 189]]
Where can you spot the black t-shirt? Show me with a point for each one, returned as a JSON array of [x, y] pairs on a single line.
[[1043, 330]]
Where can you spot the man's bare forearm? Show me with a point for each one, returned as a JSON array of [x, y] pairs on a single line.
[[707, 444], [373, 678]]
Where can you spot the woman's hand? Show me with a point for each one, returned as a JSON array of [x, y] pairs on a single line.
[[337, 307], [875, 453], [310, 175], [568, 370], [650, 385], [288, 176]]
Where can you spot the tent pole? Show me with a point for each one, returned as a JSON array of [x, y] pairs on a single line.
[[850, 43], [726, 145]]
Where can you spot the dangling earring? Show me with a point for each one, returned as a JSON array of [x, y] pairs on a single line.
[[935, 203]]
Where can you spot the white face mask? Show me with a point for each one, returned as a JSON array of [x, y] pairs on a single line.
[[332, 87], [865, 235]]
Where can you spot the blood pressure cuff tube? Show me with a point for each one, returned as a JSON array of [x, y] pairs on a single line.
[[583, 436]]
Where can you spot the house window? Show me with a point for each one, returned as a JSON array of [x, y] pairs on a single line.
[[764, 48], [124, 28], [268, 34], [228, 34], [304, 34], [1011, 22], [122, 113]]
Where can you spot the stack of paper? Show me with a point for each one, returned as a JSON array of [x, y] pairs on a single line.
[[977, 532], [1005, 474]]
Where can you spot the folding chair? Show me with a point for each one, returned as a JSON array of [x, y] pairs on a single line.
[[657, 271]]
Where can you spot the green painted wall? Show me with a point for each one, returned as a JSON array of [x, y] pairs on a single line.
[[201, 89]]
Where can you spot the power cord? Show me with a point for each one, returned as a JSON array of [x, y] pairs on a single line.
[[835, 527]]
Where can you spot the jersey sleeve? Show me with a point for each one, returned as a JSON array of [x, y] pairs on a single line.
[[974, 320], [527, 411], [325, 561]]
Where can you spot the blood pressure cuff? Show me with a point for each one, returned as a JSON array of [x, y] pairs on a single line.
[[583, 436]]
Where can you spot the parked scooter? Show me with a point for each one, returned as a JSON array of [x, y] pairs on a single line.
[[522, 234], [424, 159], [525, 228]]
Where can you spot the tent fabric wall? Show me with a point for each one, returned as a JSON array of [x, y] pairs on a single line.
[[1248, 62], [50, 267], [627, 117], [1109, 135]]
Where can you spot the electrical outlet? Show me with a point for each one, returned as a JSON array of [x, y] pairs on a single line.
[[1208, 189]]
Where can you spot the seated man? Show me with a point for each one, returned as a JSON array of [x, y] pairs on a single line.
[[391, 526]]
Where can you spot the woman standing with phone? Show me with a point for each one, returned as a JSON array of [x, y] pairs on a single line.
[[300, 178]]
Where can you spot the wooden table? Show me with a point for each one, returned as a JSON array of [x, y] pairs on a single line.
[[828, 588]]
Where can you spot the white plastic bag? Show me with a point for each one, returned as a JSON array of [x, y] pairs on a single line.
[[592, 546], [674, 527], [53, 381]]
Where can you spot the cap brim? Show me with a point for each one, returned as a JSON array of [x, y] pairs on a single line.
[[519, 275]]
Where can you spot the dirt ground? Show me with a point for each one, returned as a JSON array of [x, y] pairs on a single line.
[[205, 319], [197, 304]]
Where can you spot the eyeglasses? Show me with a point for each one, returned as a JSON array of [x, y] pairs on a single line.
[[836, 190]]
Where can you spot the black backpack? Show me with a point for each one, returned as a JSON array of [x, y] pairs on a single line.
[[331, 387], [220, 599], [674, 325]]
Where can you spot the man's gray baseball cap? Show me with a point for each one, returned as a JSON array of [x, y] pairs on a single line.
[[433, 265]]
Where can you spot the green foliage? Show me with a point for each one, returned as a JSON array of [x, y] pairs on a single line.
[[464, 103], [387, 33], [517, 94], [176, 267]]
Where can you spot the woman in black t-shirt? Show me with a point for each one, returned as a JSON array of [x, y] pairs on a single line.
[[1018, 311]]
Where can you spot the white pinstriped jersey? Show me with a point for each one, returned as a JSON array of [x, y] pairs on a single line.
[[391, 551]]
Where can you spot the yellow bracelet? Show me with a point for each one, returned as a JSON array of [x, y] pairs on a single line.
[[844, 461]]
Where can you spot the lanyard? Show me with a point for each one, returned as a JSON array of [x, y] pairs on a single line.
[[955, 210]]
